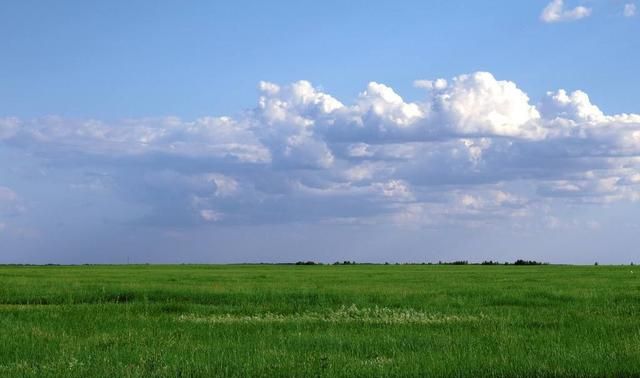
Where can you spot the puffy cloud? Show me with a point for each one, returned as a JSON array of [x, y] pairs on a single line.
[[380, 104], [286, 121], [473, 150], [470, 105], [629, 10], [555, 12], [575, 107], [478, 104]]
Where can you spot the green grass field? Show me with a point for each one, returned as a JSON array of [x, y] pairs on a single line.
[[362, 320]]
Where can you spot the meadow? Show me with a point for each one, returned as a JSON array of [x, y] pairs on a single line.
[[327, 321]]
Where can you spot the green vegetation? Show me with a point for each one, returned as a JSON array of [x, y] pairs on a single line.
[[319, 320]]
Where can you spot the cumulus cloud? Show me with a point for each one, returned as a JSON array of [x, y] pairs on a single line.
[[478, 104], [555, 11], [574, 106], [474, 149], [629, 10]]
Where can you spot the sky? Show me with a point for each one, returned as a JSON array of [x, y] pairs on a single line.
[[247, 131]]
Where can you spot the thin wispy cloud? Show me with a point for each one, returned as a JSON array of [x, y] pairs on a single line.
[[10, 204], [556, 11], [629, 10]]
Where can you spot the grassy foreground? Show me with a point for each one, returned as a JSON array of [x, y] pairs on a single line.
[[362, 320]]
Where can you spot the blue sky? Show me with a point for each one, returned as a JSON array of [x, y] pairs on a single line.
[[175, 132], [122, 59]]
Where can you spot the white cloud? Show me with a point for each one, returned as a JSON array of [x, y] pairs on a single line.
[[225, 185], [285, 121], [210, 215], [431, 84], [212, 137], [555, 12], [575, 106], [478, 104], [629, 10], [475, 149], [379, 103], [470, 105]]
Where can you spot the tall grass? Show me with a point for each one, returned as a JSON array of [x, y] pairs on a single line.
[[346, 320]]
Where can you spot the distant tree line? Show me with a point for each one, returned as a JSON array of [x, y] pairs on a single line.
[[528, 262], [486, 262], [517, 262], [345, 262], [308, 263], [455, 262]]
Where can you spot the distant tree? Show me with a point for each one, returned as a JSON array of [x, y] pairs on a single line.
[[527, 262], [307, 263], [457, 262], [345, 262]]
